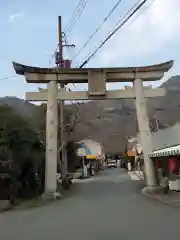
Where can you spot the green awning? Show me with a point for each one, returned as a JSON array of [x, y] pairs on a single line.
[[165, 152]]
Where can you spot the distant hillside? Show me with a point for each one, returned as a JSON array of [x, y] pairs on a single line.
[[112, 121], [118, 117], [21, 106]]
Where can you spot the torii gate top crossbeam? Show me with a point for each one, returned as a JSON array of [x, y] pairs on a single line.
[[81, 75]]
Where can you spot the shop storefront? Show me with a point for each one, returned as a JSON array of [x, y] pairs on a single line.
[[167, 165]]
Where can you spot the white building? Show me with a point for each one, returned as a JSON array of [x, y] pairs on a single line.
[[166, 142]]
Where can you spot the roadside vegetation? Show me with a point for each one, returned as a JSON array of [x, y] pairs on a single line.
[[22, 155]]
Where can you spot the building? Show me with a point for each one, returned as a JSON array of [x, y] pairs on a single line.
[[166, 153], [93, 151], [133, 146]]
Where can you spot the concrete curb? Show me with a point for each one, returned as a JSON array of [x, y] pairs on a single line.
[[156, 194]]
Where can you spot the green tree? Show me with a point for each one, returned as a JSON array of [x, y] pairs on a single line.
[[26, 153]]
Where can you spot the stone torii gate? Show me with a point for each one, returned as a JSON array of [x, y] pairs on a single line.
[[96, 79]]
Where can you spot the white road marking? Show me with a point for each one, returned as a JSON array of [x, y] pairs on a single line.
[[135, 175], [139, 174], [83, 180]]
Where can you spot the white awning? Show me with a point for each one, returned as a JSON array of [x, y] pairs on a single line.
[[170, 151]]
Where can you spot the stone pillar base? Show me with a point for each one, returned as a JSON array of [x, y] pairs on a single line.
[[50, 196], [152, 190]]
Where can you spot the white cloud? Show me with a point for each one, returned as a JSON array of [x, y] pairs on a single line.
[[15, 16], [147, 33]]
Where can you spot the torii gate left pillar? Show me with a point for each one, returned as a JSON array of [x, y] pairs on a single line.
[[51, 139]]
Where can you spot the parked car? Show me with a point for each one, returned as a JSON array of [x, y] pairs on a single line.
[[112, 164]]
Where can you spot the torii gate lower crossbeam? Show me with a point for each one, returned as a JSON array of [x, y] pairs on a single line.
[[96, 79]]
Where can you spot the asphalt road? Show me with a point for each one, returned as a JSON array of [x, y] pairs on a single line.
[[108, 207]]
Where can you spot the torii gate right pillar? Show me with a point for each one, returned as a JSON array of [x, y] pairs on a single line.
[[145, 133]]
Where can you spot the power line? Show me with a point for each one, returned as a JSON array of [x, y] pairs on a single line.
[[76, 15], [119, 24], [144, 9], [6, 78], [53, 54], [113, 31], [80, 13], [98, 28]]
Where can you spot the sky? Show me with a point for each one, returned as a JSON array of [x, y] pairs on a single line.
[[29, 35]]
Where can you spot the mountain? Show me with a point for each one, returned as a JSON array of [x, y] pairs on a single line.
[[167, 109], [115, 120], [172, 84], [112, 121], [21, 106]]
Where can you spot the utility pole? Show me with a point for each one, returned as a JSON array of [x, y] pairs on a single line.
[[60, 63], [64, 159], [60, 40], [101, 139]]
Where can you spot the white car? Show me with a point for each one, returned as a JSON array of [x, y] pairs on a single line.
[[111, 164]]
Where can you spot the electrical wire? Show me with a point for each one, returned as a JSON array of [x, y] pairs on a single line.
[[113, 31], [6, 78], [98, 28], [119, 24], [76, 15], [53, 54], [144, 9]]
